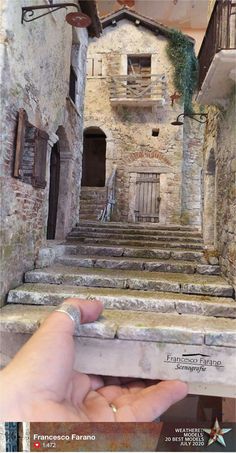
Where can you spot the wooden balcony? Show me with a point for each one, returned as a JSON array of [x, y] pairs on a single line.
[[217, 56], [138, 90]]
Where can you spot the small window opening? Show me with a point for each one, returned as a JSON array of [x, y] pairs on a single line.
[[139, 65], [73, 83], [155, 132]]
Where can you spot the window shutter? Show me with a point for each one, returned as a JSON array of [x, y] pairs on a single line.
[[40, 160], [20, 143], [89, 67], [97, 65]]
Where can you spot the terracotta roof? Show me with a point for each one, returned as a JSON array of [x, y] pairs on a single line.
[[133, 16], [89, 7]]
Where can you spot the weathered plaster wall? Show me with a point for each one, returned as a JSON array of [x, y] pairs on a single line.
[[130, 143], [35, 63], [219, 216]]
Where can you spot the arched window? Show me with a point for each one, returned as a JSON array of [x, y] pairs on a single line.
[[94, 158]]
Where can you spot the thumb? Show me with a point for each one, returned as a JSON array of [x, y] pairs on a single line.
[[61, 322], [50, 351]]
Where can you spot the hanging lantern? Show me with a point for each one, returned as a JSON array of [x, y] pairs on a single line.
[[128, 3]]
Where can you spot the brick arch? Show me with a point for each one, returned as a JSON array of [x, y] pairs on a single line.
[[138, 155]]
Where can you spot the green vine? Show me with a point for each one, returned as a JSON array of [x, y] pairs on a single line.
[[181, 53]]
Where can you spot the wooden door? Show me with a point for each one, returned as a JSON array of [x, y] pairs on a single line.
[[147, 197], [53, 191]]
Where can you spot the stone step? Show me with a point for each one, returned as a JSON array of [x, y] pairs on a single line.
[[93, 195], [139, 226], [133, 232], [89, 216], [125, 299], [187, 267], [74, 247], [91, 203], [198, 350], [135, 237], [132, 325], [113, 278], [146, 243], [91, 207], [91, 210]]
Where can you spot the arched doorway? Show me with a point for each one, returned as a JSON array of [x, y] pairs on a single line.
[[94, 158], [209, 217], [53, 191]]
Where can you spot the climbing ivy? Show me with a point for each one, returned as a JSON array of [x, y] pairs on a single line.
[[181, 53]]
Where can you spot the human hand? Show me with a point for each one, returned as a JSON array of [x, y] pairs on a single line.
[[40, 383]]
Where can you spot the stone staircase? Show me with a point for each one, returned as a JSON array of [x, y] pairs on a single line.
[[168, 312], [92, 202]]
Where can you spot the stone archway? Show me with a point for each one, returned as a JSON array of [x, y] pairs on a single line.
[[94, 158], [112, 154], [209, 213]]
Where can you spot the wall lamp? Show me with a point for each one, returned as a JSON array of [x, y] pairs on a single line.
[[76, 19], [202, 118]]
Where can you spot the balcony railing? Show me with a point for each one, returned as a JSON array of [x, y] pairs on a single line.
[[220, 35], [143, 90]]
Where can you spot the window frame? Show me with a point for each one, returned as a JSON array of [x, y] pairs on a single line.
[[73, 84], [37, 143]]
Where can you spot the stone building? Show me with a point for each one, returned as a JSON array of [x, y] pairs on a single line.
[[43, 79], [217, 92], [128, 127]]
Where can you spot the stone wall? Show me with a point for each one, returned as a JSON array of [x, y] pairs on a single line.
[[35, 66], [219, 215], [192, 172], [131, 147]]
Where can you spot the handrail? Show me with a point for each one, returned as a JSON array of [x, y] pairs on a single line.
[[161, 77], [110, 198]]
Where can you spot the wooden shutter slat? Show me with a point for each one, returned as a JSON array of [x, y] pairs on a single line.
[[89, 67], [97, 65]]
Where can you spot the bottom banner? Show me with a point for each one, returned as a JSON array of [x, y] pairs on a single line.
[[135, 437]]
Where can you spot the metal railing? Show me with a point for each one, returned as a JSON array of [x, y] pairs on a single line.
[[110, 198], [220, 34], [137, 86]]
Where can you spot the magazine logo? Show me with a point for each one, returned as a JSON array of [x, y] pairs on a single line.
[[190, 437], [216, 434]]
